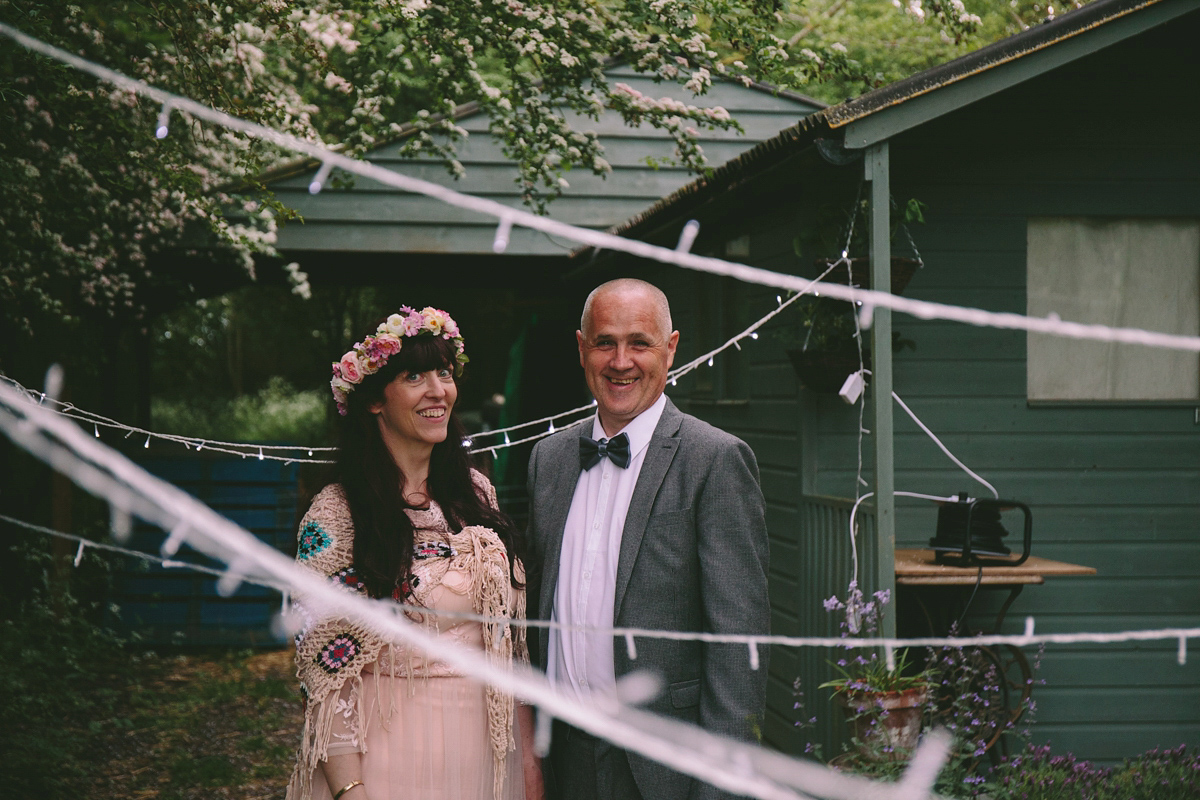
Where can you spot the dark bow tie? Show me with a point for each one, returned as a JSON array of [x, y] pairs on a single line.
[[616, 449]]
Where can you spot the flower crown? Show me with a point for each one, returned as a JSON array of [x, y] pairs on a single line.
[[368, 356]]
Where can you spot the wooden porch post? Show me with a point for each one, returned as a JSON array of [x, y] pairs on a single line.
[[875, 167]]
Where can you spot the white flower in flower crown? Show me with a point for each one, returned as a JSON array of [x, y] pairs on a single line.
[[436, 320], [394, 325]]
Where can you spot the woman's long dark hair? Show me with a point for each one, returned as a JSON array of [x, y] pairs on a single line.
[[373, 482]]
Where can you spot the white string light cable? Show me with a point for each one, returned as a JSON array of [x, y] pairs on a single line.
[[674, 375], [629, 634], [244, 449], [728, 764], [1050, 325], [508, 216], [944, 449], [84, 542], [265, 451]]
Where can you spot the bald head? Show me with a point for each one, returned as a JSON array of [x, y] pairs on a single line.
[[629, 287]]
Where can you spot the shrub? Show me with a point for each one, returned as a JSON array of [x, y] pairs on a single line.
[[1154, 775]]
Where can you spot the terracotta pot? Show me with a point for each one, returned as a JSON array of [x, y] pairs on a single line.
[[887, 725], [824, 371], [903, 270]]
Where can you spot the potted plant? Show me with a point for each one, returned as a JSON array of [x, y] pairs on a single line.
[[884, 703], [840, 240], [822, 347]]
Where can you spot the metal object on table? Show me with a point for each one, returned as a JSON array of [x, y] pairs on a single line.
[[969, 532]]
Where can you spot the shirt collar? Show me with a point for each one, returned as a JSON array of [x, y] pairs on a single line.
[[640, 429]]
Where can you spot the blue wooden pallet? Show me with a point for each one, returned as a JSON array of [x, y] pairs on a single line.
[[167, 605]]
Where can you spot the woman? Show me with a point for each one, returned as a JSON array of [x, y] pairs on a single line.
[[409, 520]]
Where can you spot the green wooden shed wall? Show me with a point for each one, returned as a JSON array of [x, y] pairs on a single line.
[[1106, 133], [369, 218]]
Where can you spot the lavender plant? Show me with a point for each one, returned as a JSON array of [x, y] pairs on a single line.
[[1157, 774], [867, 673]]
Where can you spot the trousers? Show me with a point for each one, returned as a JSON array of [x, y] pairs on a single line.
[[584, 767]]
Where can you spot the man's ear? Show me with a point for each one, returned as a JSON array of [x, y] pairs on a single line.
[[672, 343], [579, 341]]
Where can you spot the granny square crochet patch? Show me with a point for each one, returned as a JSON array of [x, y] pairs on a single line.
[[313, 539], [341, 650]]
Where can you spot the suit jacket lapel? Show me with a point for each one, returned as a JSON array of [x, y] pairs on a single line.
[[659, 455], [564, 468]]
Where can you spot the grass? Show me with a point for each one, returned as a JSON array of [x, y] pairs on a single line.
[[205, 727], [181, 727]]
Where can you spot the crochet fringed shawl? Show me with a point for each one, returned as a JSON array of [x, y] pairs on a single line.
[[333, 651]]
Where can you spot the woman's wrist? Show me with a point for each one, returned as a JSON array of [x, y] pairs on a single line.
[[352, 784]]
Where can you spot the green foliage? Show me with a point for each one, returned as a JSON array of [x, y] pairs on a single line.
[[1154, 775], [50, 698], [891, 39], [276, 413]]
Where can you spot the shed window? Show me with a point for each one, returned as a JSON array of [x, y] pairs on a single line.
[[1141, 273]]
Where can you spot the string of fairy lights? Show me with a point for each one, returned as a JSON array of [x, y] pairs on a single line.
[[737, 767], [752, 641], [130, 491], [290, 454]]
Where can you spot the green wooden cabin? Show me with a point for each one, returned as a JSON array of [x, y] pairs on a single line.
[[1060, 170]]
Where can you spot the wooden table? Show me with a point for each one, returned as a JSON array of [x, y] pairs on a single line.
[[918, 568]]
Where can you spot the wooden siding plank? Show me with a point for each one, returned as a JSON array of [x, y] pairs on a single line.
[[1067, 451], [1034, 486]]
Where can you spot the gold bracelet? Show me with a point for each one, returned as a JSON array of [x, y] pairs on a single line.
[[346, 788]]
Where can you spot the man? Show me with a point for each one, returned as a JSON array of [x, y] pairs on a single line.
[[645, 518]]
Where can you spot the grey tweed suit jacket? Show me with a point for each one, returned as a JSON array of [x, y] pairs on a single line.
[[693, 558]]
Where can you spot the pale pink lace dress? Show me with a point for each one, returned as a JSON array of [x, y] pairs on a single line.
[[423, 730]]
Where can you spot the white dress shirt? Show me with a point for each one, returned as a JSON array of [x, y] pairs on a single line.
[[579, 662]]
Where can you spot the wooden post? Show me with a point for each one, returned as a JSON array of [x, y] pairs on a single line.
[[876, 171]]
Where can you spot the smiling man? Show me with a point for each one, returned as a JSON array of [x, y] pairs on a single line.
[[645, 518]]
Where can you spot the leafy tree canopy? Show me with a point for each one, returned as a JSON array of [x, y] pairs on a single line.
[[89, 197]]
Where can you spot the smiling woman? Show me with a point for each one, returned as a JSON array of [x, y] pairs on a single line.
[[411, 521]]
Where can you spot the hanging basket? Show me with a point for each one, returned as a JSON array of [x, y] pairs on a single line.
[[886, 725], [903, 270], [824, 371]]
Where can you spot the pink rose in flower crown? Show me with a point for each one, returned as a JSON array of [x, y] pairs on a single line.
[[388, 344], [376, 350], [414, 323], [352, 371]]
